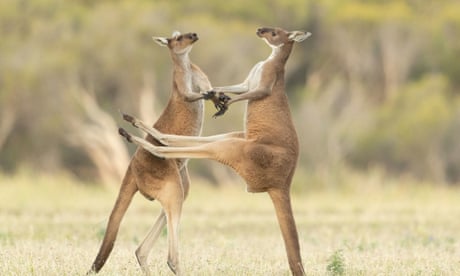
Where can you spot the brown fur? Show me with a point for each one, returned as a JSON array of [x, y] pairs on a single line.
[[156, 178], [266, 154]]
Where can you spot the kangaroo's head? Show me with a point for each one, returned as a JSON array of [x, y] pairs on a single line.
[[277, 37], [179, 43]]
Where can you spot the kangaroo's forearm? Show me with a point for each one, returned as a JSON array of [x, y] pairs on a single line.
[[234, 89], [192, 96], [251, 95]]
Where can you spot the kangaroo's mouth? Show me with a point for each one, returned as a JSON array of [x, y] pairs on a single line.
[[261, 31]]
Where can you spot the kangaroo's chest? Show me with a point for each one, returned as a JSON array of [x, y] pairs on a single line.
[[255, 76]]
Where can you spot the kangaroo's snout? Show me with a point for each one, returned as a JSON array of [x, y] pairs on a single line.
[[193, 36], [260, 31]]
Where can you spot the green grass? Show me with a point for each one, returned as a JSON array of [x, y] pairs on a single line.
[[54, 226], [336, 263]]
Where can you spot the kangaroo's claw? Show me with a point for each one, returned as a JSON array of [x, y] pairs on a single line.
[[224, 98], [222, 109], [218, 106]]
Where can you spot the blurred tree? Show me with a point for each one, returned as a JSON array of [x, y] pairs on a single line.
[[372, 71], [407, 132], [95, 132]]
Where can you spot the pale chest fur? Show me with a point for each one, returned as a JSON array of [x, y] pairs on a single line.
[[195, 110], [255, 76], [187, 79]]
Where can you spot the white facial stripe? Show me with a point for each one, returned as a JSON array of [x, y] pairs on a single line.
[[266, 41], [271, 45]]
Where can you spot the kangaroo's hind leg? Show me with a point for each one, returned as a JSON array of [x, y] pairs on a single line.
[[142, 252], [170, 194], [146, 246], [172, 198], [282, 203]]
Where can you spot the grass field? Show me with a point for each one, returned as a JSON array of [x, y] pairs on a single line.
[[54, 226]]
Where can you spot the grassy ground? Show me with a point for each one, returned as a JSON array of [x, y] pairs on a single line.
[[53, 226]]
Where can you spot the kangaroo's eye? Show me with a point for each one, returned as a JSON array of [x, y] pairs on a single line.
[[179, 38], [273, 33]]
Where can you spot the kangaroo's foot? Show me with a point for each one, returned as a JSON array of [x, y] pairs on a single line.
[[125, 134], [129, 118], [173, 268]]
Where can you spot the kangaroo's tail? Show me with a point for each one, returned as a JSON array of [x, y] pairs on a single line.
[[127, 190]]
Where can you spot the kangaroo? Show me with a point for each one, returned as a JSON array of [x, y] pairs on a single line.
[[265, 154], [156, 178]]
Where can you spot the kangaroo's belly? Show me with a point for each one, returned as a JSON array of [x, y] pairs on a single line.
[[182, 118]]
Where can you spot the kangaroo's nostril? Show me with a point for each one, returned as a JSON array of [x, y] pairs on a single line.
[[194, 34]]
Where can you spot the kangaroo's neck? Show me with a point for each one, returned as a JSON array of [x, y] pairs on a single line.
[[182, 63], [182, 72], [281, 54]]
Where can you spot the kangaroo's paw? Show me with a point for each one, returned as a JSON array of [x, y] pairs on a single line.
[[208, 95], [222, 109], [224, 98]]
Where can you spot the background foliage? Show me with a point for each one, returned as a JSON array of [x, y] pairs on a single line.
[[376, 86]]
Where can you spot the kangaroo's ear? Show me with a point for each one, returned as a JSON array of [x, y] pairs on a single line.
[[298, 36], [175, 34], [162, 41]]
